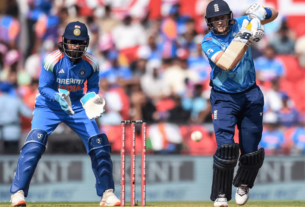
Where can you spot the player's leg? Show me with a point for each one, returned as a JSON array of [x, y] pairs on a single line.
[[43, 123], [224, 111], [250, 132], [99, 150]]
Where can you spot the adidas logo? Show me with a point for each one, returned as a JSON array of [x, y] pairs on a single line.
[[62, 71]]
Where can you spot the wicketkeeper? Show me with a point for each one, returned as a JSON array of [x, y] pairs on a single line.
[[235, 99], [61, 99]]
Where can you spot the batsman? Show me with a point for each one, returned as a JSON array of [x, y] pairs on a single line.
[[235, 97], [61, 99]]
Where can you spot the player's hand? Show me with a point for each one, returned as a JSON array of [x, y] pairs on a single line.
[[64, 101], [245, 34], [257, 29], [93, 105], [257, 11]]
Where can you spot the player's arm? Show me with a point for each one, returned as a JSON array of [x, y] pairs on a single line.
[[235, 51], [274, 14], [261, 15], [46, 80], [92, 82], [235, 61], [92, 102]]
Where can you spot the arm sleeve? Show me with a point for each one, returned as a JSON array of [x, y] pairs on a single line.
[[46, 80], [92, 82], [209, 48]]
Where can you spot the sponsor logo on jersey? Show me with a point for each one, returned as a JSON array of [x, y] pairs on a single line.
[[70, 88], [62, 71], [208, 39], [69, 81]]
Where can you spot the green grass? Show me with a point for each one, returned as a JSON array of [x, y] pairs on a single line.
[[168, 204]]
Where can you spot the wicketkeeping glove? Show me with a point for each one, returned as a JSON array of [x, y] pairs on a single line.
[[64, 101], [93, 105]]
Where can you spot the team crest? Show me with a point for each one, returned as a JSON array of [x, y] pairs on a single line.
[[76, 32], [39, 136], [81, 73]]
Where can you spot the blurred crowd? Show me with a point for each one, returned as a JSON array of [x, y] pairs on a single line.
[[150, 69]]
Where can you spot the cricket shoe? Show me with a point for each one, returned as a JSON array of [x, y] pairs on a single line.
[[242, 194], [17, 199], [109, 199], [221, 201]]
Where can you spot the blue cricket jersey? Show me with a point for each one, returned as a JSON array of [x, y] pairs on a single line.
[[239, 78], [59, 72]]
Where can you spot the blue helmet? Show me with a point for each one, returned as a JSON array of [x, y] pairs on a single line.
[[217, 8], [76, 37]]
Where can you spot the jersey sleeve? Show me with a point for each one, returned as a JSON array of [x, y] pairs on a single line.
[[93, 79], [46, 80], [242, 18], [209, 48], [47, 77], [92, 83]]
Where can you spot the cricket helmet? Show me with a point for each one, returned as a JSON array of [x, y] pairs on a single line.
[[217, 8], [76, 36]]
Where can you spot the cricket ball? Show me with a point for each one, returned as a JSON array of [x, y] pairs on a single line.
[[196, 136]]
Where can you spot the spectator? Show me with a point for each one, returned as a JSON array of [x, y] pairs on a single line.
[[273, 97], [272, 138], [142, 108], [178, 114], [198, 105], [179, 70], [282, 43], [128, 36], [300, 50], [298, 138], [198, 62], [153, 85], [156, 49], [108, 22], [268, 67], [9, 26], [30, 92], [139, 65], [34, 62], [93, 33], [288, 116], [115, 71], [10, 109], [114, 104]]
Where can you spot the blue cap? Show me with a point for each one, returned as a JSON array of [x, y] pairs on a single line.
[[112, 55], [5, 87], [174, 9], [76, 31], [284, 96]]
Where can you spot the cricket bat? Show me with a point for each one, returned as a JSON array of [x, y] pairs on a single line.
[[240, 41]]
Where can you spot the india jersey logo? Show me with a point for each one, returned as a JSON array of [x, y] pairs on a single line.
[[81, 73]]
